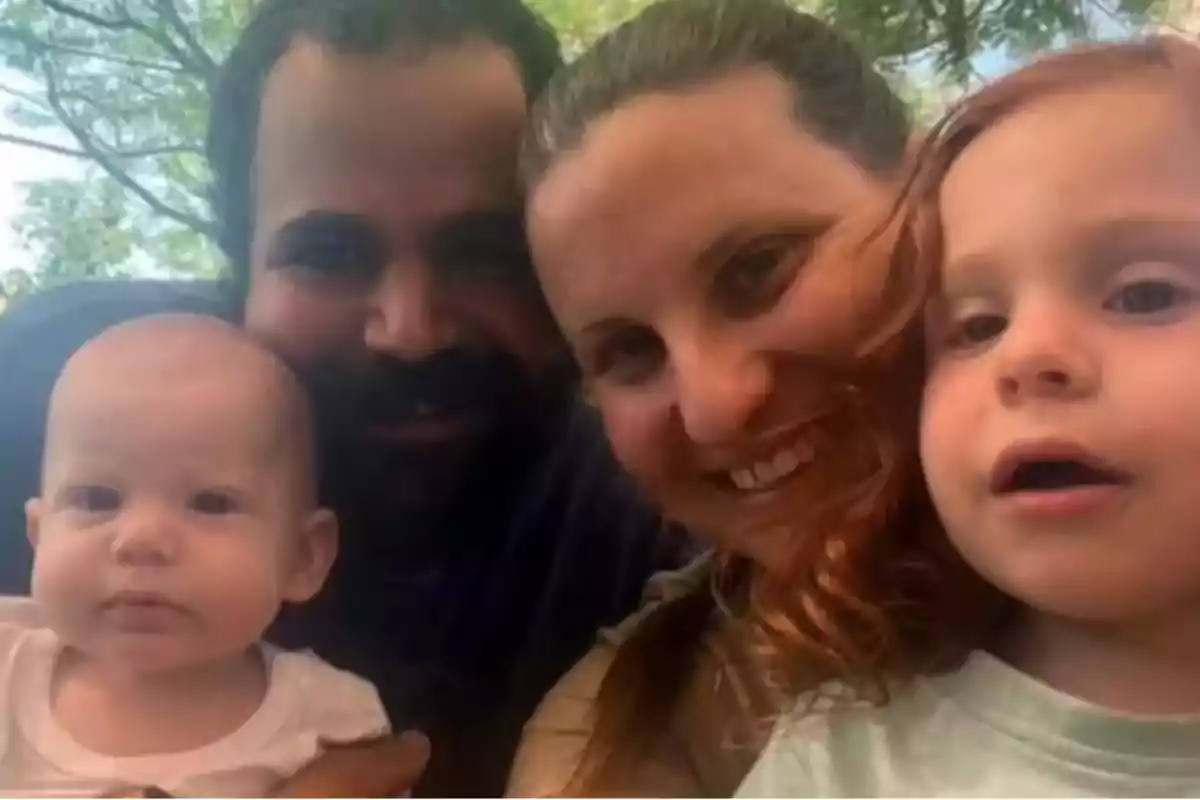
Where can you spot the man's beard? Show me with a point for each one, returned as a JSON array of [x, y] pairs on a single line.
[[400, 483]]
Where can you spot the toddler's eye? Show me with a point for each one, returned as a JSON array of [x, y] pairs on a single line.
[[976, 329], [1147, 297], [93, 499], [214, 502]]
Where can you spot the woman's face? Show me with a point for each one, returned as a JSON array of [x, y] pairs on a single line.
[[689, 250]]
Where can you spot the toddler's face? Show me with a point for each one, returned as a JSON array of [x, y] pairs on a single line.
[[171, 524], [1061, 426]]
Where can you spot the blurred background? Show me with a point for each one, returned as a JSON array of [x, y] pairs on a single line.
[[105, 106]]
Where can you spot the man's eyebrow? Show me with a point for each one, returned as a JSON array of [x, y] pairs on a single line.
[[482, 228], [328, 220], [492, 239]]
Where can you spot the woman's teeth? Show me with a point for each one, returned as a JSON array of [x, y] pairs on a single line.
[[766, 474]]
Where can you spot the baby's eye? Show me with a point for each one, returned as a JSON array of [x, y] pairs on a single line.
[[214, 502], [93, 499], [1146, 297]]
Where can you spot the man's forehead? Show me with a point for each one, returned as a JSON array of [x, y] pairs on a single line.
[[363, 135]]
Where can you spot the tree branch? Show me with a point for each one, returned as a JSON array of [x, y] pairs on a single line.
[[35, 144], [32, 99], [68, 10], [43, 46], [108, 163], [126, 22], [120, 155], [206, 63]]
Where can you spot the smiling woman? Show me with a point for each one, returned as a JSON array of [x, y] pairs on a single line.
[[699, 185]]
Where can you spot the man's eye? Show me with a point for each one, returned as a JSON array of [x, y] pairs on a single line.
[[1147, 297], [753, 281], [214, 502], [93, 499], [976, 329], [344, 260], [629, 357], [329, 246]]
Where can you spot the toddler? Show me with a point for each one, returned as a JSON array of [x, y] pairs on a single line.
[[1060, 438]]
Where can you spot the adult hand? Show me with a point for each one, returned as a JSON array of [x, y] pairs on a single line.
[[386, 767]]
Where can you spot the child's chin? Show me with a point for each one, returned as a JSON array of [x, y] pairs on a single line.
[[151, 655]]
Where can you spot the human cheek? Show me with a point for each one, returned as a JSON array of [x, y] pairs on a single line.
[[246, 597], [517, 320], [1153, 400], [948, 429], [820, 313], [67, 578], [636, 425], [304, 321]]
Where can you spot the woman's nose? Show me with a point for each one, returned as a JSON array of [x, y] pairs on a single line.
[[719, 391]]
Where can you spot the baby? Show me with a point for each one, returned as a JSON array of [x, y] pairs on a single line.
[[178, 512]]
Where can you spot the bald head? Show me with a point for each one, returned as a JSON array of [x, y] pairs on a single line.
[[166, 373]]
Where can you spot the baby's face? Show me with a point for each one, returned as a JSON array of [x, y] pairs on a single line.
[[173, 520]]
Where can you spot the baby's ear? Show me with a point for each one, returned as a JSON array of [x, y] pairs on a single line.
[[33, 520], [316, 551]]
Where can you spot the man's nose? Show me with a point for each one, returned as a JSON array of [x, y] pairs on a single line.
[[719, 390], [1046, 354], [406, 318], [145, 535]]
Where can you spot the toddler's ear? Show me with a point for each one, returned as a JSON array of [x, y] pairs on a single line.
[[315, 553], [33, 520]]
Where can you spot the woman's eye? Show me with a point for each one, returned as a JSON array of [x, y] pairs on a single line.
[[752, 282], [1147, 297], [94, 499], [629, 356], [213, 502], [976, 329]]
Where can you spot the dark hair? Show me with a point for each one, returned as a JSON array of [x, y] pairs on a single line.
[[679, 44], [364, 27]]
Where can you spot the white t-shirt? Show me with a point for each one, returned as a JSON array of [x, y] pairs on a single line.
[[307, 701], [987, 730]]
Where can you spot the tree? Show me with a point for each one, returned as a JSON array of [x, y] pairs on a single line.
[[121, 87]]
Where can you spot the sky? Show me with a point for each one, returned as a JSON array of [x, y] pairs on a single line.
[[19, 165]]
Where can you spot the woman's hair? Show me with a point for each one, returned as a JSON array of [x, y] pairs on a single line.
[[865, 551], [676, 45]]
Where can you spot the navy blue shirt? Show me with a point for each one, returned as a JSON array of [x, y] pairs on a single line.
[[461, 637]]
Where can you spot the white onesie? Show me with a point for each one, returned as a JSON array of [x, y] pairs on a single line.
[[307, 701]]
